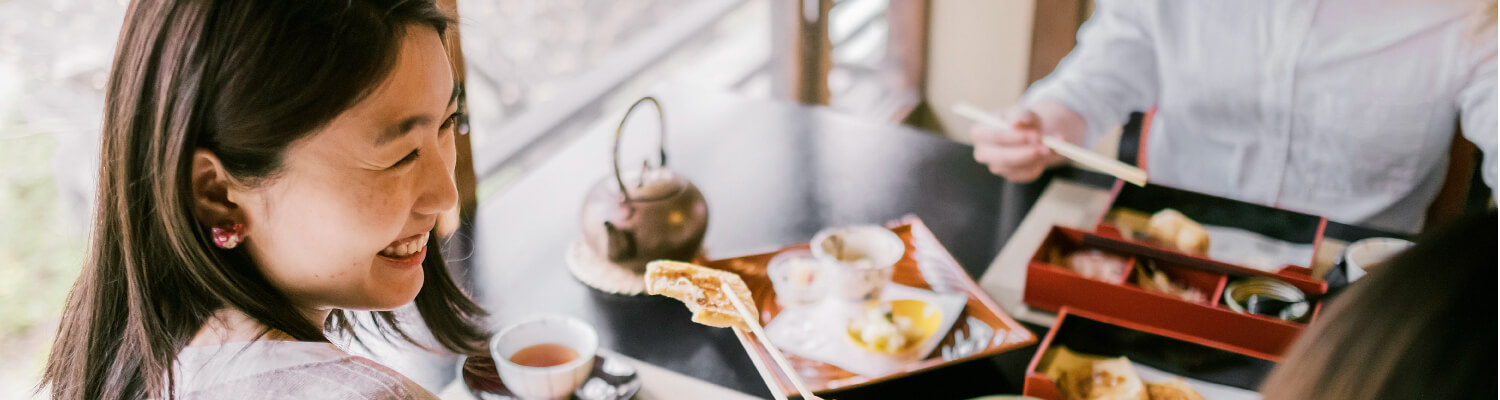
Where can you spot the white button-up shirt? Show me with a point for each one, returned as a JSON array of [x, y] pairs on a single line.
[[1339, 108]]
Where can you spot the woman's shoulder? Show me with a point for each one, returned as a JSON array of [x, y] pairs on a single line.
[[287, 370]]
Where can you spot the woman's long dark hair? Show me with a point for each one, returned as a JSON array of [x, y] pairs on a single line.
[[1422, 325], [244, 80]]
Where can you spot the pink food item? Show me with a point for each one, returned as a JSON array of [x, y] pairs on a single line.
[[1097, 265]]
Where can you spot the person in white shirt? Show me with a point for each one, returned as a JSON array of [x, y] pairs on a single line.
[[1339, 108]]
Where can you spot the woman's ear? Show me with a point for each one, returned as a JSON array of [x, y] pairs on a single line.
[[212, 184]]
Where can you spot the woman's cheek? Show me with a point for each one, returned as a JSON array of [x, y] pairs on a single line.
[[331, 231], [374, 213], [331, 227]]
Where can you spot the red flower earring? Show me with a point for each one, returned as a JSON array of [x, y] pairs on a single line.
[[228, 238]]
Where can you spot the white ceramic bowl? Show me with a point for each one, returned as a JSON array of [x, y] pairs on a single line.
[[861, 259]]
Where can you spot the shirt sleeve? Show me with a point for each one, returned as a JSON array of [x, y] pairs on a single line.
[[1476, 101], [1110, 73]]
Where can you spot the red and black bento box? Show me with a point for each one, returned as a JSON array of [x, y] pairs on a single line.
[[1051, 285], [1223, 368]]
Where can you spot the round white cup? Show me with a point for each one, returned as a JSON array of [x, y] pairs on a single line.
[[861, 259], [555, 382], [1363, 255]]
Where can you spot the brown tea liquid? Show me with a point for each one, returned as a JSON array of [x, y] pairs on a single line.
[[544, 355]]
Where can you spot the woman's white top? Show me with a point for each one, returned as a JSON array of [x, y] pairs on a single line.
[[287, 370]]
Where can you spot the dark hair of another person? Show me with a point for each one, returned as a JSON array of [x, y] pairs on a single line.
[[1420, 326], [244, 80]]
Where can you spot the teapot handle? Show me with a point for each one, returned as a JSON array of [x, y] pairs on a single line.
[[663, 149]]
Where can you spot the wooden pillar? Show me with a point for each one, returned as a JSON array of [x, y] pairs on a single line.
[[1054, 33], [907, 44], [801, 35], [463, 173]]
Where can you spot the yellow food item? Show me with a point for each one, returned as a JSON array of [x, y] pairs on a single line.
[[1175, 389], [897, 327], [700, 289], [1060, 360], [1170, 227], [882, 331]]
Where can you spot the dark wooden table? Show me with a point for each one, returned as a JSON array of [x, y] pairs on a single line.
[[773, 174]]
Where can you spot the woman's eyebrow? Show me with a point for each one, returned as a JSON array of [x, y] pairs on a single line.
[[399, 129]]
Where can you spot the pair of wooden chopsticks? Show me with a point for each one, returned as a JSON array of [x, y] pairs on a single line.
[[1083, 156], [765, 374]]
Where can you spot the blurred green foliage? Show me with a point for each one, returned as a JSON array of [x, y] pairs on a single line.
[[39, 256]]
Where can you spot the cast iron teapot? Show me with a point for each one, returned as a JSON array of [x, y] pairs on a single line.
[[648, 214]]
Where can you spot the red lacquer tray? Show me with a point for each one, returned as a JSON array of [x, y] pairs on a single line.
[[926, 265]]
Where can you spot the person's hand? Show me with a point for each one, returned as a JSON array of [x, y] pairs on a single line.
[[1015, 151]]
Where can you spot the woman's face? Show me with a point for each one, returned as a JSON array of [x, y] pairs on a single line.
[[345, 222]]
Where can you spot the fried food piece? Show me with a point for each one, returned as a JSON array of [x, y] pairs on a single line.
[[1115, 379], [1088, 377], [700, 289], [1150, 278], [1170, 227], [1075, 383], [1175, 389], [1107, 379]]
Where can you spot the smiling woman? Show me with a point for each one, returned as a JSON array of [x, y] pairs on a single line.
[[268, 169]]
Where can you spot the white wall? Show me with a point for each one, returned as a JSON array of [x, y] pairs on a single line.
[[979, 54]]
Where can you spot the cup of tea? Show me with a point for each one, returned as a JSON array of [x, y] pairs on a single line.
[[546, 357], [861, 259]]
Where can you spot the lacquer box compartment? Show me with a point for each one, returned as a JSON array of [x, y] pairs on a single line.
[[1052, 287], [1131, 206], [1165, 350]]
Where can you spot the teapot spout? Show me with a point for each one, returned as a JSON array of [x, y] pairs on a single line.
[[621, 242]]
